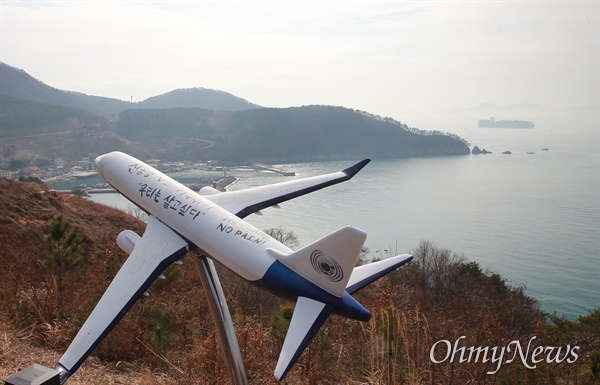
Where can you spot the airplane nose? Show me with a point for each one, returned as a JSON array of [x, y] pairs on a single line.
[[97, 162]]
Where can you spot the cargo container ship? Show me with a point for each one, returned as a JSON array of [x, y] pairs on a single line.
[[493, 123]]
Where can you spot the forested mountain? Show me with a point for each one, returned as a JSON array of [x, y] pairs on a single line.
[[197, 124], [100, 105], [197, 98], [18, 84], [280, 135], [21, 118]]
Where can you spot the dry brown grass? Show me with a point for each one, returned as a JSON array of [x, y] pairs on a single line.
[[169, 337], [17, 351]]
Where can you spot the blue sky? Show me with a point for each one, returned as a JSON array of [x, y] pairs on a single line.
[[388, 58]]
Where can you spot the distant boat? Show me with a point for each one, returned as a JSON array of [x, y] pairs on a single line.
[[545, 149], [507, 152], [493, 123], [530, 153]]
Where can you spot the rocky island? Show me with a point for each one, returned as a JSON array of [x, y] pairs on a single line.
[[476, 151]]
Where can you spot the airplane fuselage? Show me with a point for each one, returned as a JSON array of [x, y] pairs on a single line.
[[216, 232], [213, 230], [320, 276]]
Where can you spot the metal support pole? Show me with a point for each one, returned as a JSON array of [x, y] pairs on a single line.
[[218, 306]]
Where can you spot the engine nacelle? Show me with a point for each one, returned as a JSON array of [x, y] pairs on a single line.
[[208, 190], [127, 240]]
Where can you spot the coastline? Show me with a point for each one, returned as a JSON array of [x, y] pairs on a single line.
[[222, 183]]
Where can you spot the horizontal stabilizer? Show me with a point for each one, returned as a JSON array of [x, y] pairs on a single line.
[[367, 274], [328, 262], [307, 319]]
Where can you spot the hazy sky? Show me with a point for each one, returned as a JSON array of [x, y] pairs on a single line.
[[387, 58]]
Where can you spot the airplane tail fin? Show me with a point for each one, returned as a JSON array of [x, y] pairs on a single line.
[[328, 262]]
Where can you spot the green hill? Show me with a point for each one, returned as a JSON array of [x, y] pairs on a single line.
[[198, 124], [20, 118], [309, 133], [197, 98], [18, 84]]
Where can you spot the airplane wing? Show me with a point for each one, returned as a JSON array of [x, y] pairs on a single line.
[[307, 319], [152, 253], [245, 202]]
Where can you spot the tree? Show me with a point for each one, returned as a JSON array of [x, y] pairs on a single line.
[[63, 242], [288, 238]]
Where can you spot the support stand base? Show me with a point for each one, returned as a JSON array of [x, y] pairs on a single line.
[[35, 375]]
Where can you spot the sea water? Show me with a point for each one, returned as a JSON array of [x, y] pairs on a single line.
[[532, 218]]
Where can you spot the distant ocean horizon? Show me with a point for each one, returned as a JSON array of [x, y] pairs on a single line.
[[532, 216]]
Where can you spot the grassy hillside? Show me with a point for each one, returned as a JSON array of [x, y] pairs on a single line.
[[169, 338]]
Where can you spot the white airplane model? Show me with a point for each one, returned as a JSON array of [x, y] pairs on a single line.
[[321, 276]]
